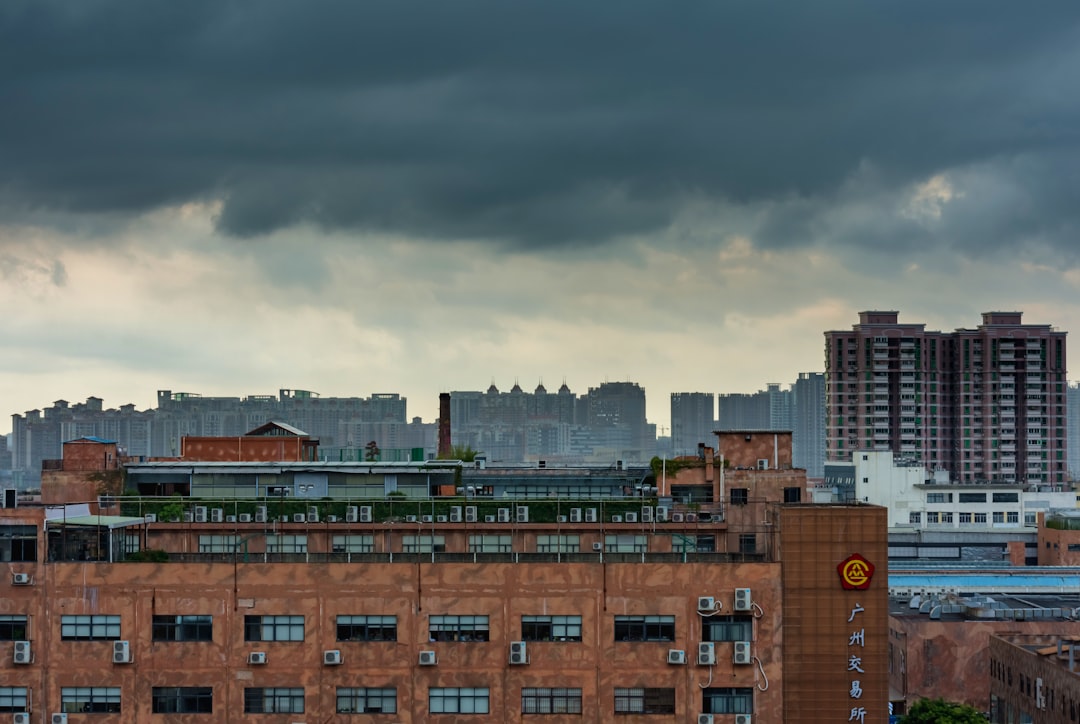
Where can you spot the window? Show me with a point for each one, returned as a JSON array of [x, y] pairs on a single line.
[[423, 544], [367, 628], [274, 700], [972, 497], [90, 699], [932, 517], [14, 698], [747, 543], [273, 628], [644, 701], [14, 628], [939, 497], [793, 495], [558, 544], [458, 628], [1006, 497], [728, 700], [218, 543], [1012, 517], [965, 519], [18, 543], [490, 544], [946, 517], [626, 544], [740, 496], [999, 517], [182, 700], [183, 628], [728, 628], [644, 628], [353, 544], [551, 628], [132, 543], [914, 518], [457, 701], [366, 701], [980, 518], [277, 543], [90, 628], [550, 701]]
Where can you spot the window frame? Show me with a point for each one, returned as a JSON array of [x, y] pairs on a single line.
[[454, 696], [97, 627], [361, 698], [256, 699], [90, 699], [182, 700], [547, 543], [14, 627], [459, 628], [182, 627], [532, 628], [661, 626], [732, 627], [14, 699], [352, 543], [366, 625], [491, 543], [550, 700], [650, 700], [255, 628]]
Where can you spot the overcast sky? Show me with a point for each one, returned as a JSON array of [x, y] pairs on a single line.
[[234, 197]]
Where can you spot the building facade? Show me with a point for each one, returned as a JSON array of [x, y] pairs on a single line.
[[693, 418], [986, 404]]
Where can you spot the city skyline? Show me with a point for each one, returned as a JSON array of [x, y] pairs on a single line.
[[234, 198]]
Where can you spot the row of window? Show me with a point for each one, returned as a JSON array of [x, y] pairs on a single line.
[[103, 627], [380, 700], [946, 517], [275, 543]]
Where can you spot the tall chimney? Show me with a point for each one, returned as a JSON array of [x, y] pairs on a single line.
[[444, 425]]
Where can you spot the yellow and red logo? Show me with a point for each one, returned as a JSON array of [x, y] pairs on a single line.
[[855, 572]]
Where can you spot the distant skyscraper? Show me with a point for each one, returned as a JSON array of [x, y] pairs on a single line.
[[808, 435], [739, 411], [693, 416], [1072, 430], [986, 404]]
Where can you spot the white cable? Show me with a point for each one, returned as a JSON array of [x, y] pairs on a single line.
[[709, 682], [761, 611], [762, 670]]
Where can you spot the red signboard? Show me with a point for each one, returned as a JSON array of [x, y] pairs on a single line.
[[855, 573]]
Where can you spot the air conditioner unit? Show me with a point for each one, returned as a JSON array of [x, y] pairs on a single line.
[[365, 514], [518, 653], [427, 519], [150, 517], [743, 600], [260, 514], [455, 513], [230, 518], [58, 719], [411, 518], [20, 579], [742, 653], [523, 514], [705, 719], [706, 653], [200, 513], [313, 514], [504, 515], [352, 513], [331, 519], [442, 519], [661, 515], [763, 464], [188, 517], [244, 517], [616, 519], [742, 719], [121, 652], [598, 546], [489, 518], [676, 517], [590, 515], [706, 603], [331, 657], [427, 658], [646, 514], [285, 518], [258, 658], [470, 513], [24, 654], [21, 717], [563, 519], [299, 518], [575, 515], [676, 656], [691, 517], [630, 517], [217, 515]]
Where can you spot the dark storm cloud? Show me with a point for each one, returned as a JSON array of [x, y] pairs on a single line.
[[533, 123]]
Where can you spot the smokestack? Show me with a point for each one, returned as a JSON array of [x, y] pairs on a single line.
[[444, 425]]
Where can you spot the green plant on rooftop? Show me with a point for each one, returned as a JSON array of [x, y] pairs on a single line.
[[939, 711]]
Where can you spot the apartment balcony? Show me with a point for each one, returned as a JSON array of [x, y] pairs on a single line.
[[1010, 448]]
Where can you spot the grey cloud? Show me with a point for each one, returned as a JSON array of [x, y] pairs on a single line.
[[545, 124]]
